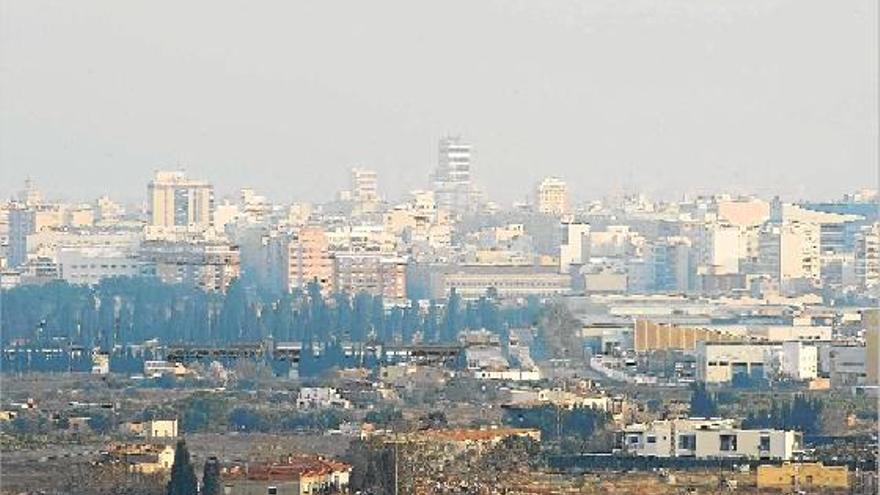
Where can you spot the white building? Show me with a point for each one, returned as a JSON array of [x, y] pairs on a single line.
[[319, 398], [708, 439], [720, 362], [575, 247], [88, 266]]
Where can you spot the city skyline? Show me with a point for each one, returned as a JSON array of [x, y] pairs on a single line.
[[696, 98]]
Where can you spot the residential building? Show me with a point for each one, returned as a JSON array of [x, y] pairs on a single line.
[[88, 266], [867, 257], [210, 266], [22, 222], [552, 197], [452, 180], [708, 439], [297, 475], [308, 259], [177, 201], [320, 398], [575, 246], [371, 272]]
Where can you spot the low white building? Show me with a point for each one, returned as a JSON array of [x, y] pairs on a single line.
[[319, 398], [708, 439], [719, 362]]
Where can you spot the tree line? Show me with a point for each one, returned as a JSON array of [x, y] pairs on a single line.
[[120, 311]]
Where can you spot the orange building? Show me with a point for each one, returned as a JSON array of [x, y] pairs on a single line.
[[308, 259]]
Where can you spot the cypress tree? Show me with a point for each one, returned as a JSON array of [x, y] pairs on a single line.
[[183, 477], [211, 477]]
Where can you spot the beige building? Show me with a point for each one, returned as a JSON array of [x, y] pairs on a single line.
[[142, 458], [652, 336], [803, 476], [177, 201], [552, 197], [152, 429], [210, 266], [510, 281], [371, 272], [790, 254], [744, 212]]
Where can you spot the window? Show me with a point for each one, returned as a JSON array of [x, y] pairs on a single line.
[[728, 443], [764, 444], [272, 490], [652, 439], [687, 442]]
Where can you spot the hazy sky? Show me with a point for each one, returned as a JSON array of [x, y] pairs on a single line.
[[286, 97]]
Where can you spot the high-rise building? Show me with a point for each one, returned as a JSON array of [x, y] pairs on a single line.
[[575, 246], [452, 179], [176, 201], [552, 196], [210, 266], [790, 253], [22, 222], [374, 273], [309, 260], [867, 254], [364, 185]]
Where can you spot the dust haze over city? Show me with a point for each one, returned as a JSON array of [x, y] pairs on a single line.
[[439, 247]]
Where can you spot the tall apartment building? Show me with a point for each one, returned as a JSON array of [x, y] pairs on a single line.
[[452, 179], [867, 256], [309, 259], [210, 266], [672, 265], [177, 201], [22, 222], [370, 272], [790, 253], [718, 248], [552, 197], [364, 185], [575, 246]]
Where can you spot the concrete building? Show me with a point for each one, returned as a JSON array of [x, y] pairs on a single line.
[[510, 281], [867, 257], [88, 266], [320, 398], [744, 212], [575, 246], [672, 265], [210, 266], [309, 259], [143, 458], [718, 248], [720, 362], [22, 222], [371, 272], [790, 254], [177, 201], [452, 179], [364, 185], [152, 429], [297, 475], [552, 197], [708, 439]]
